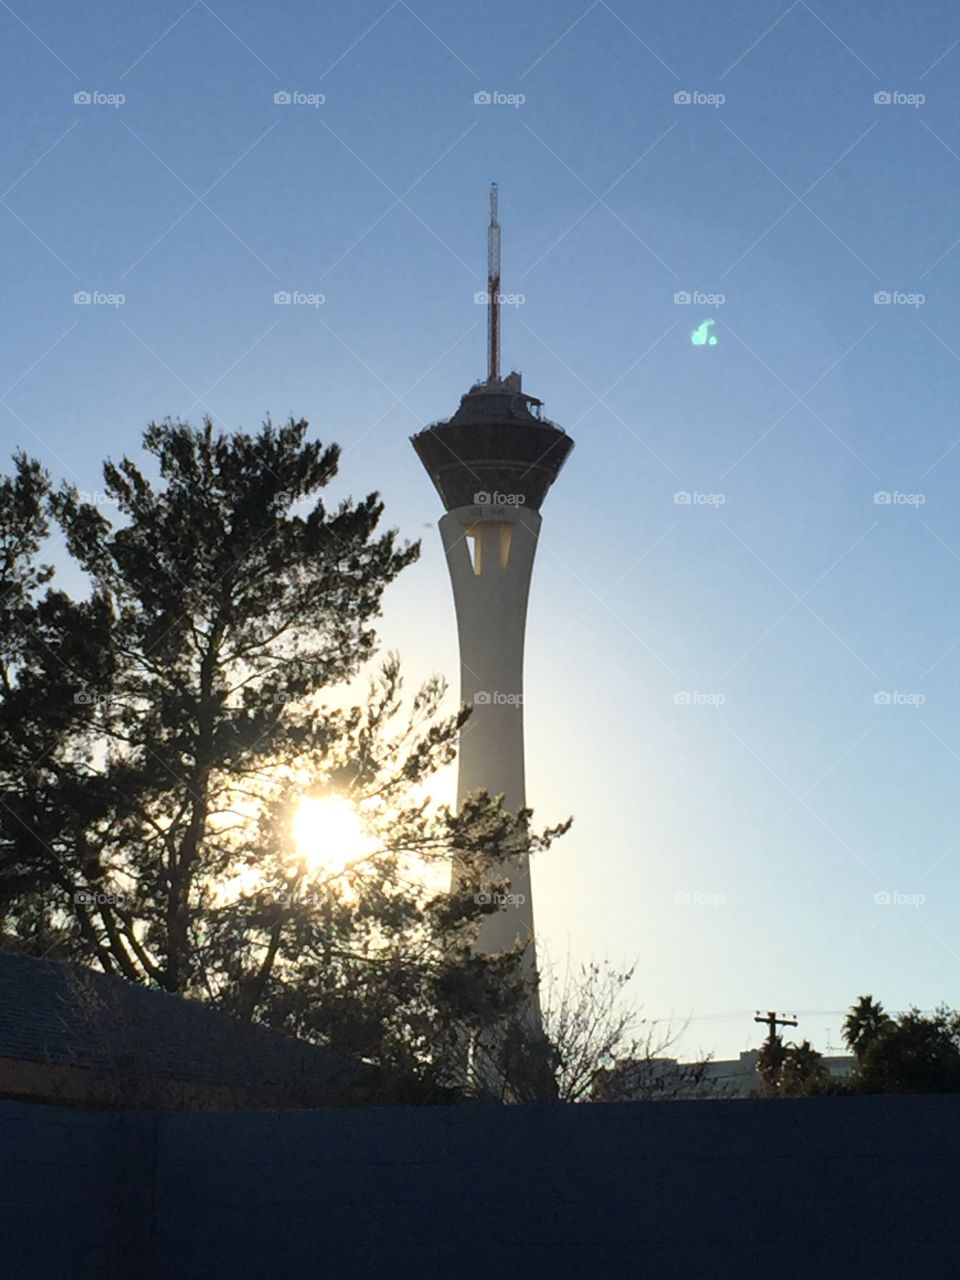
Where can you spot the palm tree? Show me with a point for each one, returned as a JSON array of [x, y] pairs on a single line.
[[864, 1023]]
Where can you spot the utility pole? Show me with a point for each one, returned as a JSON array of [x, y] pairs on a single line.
[[770, 1072], [772, 1021]]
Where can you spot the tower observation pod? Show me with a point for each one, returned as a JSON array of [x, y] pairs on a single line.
[[492, 464]]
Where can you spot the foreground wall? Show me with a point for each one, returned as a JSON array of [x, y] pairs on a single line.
[[848, 1186]]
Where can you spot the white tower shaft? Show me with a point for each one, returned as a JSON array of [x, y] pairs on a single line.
[[490, 552]]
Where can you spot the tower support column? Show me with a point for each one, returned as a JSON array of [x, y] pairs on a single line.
[[490, 551]]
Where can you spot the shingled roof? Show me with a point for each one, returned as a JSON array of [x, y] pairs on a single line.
[[91, 1029]]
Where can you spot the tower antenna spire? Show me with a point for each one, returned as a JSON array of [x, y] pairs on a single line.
[[493, 290]]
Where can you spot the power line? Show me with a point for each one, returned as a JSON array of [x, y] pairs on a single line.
[[748, 1013], [741, 1014]]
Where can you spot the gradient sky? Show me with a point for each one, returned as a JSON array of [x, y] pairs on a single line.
[[779, 812]]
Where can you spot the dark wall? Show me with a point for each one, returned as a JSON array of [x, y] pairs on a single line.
[[825, 1187], [76, 1192]]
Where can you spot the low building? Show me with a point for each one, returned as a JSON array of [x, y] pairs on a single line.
[[662, 1079], [736, 1077], [71, 1036]]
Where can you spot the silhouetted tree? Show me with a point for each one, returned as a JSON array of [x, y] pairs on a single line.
[[770, 1060], [863, 1024], [911, 1054], [50, 646], [789, 1070], [803, 1072], [155, 737], [594, 1047]]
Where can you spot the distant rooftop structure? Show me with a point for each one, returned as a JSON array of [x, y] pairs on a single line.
[[668, 1079], [70, 1035]]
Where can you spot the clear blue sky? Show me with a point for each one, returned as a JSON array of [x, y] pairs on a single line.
[[797, 600]]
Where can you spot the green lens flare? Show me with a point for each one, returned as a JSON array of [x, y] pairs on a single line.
[[702, 337]]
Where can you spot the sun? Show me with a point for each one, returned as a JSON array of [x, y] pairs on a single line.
[[328, 833]]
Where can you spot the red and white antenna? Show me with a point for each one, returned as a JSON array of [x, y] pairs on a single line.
[[493, 290]]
